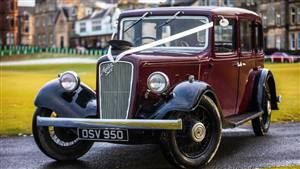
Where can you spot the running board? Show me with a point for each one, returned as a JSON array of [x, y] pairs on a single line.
[[240, 119]]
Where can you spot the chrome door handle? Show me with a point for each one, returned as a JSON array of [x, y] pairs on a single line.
[[239, 64]]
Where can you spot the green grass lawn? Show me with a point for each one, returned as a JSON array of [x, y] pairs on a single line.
[[20, 84], [43, 55], [287, 77]]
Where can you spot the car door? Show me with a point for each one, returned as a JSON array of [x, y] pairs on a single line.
[[223, 75], [246, 66]]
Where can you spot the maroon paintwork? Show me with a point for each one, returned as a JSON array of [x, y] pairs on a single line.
[[232, 85]]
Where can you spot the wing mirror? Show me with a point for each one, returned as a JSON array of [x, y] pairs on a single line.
[[223, 21]]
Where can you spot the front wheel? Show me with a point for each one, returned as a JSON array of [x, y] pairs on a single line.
[[196, 144], [61, 144]]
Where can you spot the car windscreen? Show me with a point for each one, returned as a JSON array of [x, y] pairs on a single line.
[[153, 28]]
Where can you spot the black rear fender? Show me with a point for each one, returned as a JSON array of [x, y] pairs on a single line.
[[264, 77]]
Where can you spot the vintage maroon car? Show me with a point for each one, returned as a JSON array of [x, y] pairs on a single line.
[[174, 76]]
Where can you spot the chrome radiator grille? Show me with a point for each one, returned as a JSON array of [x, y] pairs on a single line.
[[115, 89]]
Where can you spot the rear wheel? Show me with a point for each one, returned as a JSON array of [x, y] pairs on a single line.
[[196, 144], [261, 124], [56, 142]]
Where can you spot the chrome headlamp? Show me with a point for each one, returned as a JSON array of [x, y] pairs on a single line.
[[69, 80], [158, 82]]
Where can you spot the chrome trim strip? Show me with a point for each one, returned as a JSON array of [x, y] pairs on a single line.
[[130, 92], [111, 123]]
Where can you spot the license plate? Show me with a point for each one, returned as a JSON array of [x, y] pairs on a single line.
[[103, 134]]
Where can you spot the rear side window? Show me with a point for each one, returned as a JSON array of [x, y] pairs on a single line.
[[224, 37], [245, 34], [258, 36]]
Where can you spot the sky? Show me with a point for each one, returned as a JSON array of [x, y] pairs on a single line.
[[26, 2]]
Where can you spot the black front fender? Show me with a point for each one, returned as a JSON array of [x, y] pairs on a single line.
[[80, 103], [186, 96]]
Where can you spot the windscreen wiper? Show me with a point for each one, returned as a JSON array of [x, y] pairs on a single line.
[[170, 20], [137, 21]]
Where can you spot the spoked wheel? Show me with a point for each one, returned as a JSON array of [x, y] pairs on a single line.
[[261, 124], [198, 141], [56, 142]]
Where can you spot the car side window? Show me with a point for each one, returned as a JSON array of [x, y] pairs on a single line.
[[245, 34], [258, 37], [224, 37]]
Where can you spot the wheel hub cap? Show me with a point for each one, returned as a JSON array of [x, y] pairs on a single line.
[[198, 132]]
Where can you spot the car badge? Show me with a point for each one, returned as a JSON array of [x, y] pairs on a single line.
[[107, 69]]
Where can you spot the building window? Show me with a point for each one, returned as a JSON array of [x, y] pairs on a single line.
[[224, 37], [74, 11], [298, 45], [298, 15], [96, 25], [213, 2], [82, 27], [44, 22], [12, 5], [228, 2], [49, 20], [278, 19], [26, 17], [277, 42], [293, 15], [246, 42], [88, 11], [203, 3], [9, 38], [12, 23], [26, 29], [292, 41], [51, 40], [37, 22], [271, 16]]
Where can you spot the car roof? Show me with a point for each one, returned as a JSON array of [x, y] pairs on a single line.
[[194, 10]]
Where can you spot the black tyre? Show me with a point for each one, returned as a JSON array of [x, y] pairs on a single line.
[[199, 140], [261, 124], [61, 144]]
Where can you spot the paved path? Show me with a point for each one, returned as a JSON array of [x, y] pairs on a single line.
[[239, 149], [49, 61]]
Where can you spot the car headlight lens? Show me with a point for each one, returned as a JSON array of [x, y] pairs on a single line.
[[69, 81], [158, 82]]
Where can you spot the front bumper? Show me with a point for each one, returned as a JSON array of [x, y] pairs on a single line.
[[111, 123]]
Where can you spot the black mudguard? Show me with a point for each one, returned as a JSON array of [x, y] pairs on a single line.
[[185, 98], [80, 103], [265, 76]]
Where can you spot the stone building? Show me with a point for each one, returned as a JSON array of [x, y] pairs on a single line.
[[294, 25], [64, 26], [26, 25], [281, 22], [45, 15], [8, 22], [95, 30], [55, 19]]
